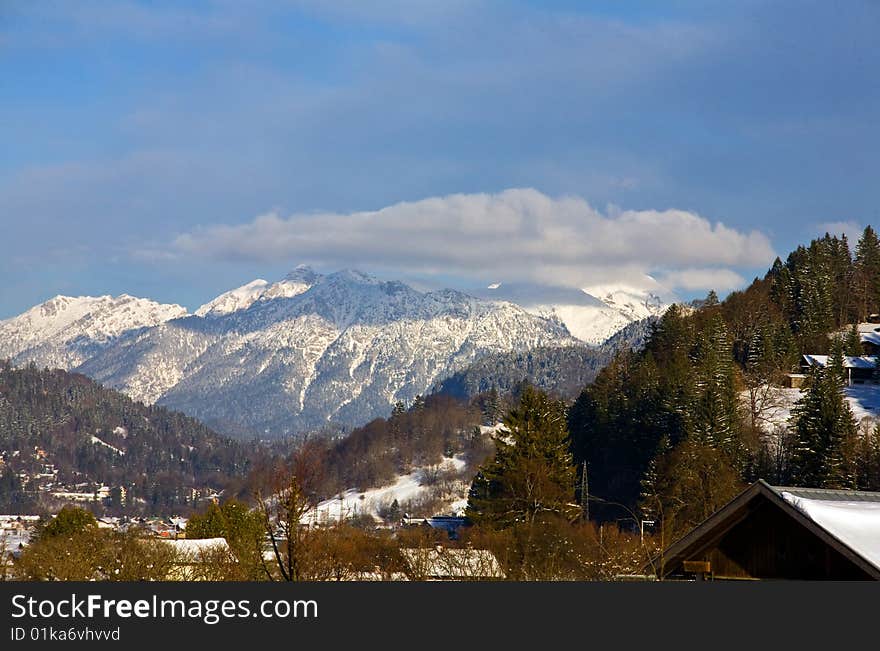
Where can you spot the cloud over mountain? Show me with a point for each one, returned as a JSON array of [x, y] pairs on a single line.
[[517, 235]]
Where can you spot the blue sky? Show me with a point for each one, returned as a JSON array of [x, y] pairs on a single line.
[[175, 150]]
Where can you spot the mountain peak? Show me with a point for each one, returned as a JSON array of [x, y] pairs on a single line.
[[57, 331], [354, 276], [236, 299], [302, 273]]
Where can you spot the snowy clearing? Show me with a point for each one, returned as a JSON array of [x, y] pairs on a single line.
[[407, 488], [863, 399], [97, 441]]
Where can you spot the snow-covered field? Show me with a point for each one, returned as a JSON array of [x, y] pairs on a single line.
[[407, 488]]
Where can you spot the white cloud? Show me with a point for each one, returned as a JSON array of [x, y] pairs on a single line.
[[721, 280], [517, 235], [852, 229]]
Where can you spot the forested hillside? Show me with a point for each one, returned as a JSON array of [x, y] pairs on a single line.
[[677, 429], [62, 431], [423, 434], [562, 371]]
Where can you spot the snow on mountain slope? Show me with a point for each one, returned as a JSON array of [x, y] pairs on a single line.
[[632, 302], [296, 282], [593, 314], [344, 350], [65, 331], [240, 298]]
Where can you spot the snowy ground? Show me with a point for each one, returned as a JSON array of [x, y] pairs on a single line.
[[863, 399], [407, 488], [97, 441]]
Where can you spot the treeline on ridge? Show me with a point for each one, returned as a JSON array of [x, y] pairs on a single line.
[[163, 460], [674, 431]]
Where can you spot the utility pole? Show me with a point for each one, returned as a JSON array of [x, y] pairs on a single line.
[[585, 492]]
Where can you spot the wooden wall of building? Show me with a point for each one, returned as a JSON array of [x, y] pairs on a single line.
[[770, 544]]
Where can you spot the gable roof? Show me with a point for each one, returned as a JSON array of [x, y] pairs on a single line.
[[193, 547], [867, 362], [848, 521]]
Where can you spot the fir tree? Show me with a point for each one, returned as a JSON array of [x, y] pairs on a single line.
[[491, 407], [853, 341], [866, 276], [715, 421], [532, 476], [837, 361], [823, 429]]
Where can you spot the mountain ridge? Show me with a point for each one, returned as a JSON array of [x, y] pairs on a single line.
[[275, 358]]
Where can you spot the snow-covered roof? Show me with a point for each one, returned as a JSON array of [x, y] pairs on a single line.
[[195, 546], [846, 520], [870, 338], [853, 517], [867, 362]]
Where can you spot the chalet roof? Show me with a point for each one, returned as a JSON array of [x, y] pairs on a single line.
[[828, 494], [196, 546], [870, 338], [848, 521], [853, 517], [868, 362]]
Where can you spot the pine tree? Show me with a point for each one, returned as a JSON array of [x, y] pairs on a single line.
[[532, 476], [866, 276], [711, 299], [823, 430], [715, 421], [491, 407], [853, 341], [837, 361]]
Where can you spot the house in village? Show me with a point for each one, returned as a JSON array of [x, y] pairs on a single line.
[[448, 523], [773, 532], [859, 370], [15, 534], [195, 557], [869, 335]]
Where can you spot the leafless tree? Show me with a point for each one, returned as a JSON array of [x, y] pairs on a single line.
[[282, 512]]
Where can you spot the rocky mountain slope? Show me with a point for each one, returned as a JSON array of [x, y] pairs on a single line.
[[286, 357], [314, 350]]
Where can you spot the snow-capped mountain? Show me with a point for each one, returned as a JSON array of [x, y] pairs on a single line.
[[241, 298], [312, 349], [65, 331], [592, 314]]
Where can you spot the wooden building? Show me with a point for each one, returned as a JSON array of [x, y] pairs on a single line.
[[870, 341], [772, 532], [859, 370]]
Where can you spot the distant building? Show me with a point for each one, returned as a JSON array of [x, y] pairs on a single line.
[[448, 523], [795, 380], [194, 553], [859, 370], [774, 532]]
